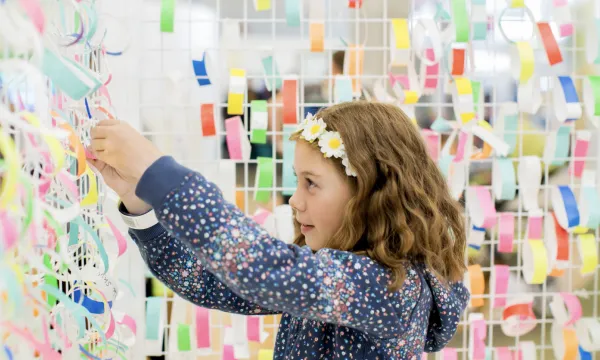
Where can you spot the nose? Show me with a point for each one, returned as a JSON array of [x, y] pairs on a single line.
[[297, 203]]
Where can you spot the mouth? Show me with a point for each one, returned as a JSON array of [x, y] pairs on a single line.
[[306, 228]]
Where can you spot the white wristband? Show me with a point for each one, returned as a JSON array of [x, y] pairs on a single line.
[[138, 222]]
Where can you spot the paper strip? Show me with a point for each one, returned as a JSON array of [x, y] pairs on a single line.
[[535, 261], [264, 180], [207, 119], [237, 90], [167, 16], [530, 178], [290, 101], [582, 141], [237, 141], [565, 206], [506, 228], [588, 253], [258, 121]]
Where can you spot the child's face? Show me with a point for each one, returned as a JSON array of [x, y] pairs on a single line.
[[321, 196]]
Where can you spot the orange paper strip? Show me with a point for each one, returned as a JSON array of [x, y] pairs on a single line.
[[317, 37], [207, 119], [290, 101], [477, 283], [550, 44]]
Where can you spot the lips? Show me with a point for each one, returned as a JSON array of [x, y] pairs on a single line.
[[304, 228]]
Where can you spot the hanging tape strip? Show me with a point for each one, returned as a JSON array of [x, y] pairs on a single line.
[[462, 96], [258, 121], [504, 179], [200, 70], [588, 333], [557, 146], [529, 174], [506, 228], [207, 119], [237, 141], [237, 89], [588, 253], [566, 309], [565, 206], [518, 318], [481, 207], [474, 280], [564, 342], [273, 80], [582, 141], [290, 100], [264, 179], [549, 42], [500, 277], [589, 203], [316, 14], [566, 100], [591, 98], [523, 61], [535, 261], [529, 95], [557, 243], [400, 44]]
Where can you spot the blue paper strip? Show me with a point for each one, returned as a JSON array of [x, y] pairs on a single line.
[[570, 205], [153, 309], [200, 71], [292, 12]]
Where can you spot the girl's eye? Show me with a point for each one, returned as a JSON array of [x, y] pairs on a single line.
[[310, 183]]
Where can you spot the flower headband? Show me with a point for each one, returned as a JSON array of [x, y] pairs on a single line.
[[330, 142]]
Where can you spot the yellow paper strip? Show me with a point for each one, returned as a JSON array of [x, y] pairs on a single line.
[[588, 253], [400, 27], [527, 61]]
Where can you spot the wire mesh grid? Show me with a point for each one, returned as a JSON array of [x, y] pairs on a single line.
[[185, 127]]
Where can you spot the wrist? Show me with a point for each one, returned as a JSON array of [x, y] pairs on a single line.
[[135, 205]]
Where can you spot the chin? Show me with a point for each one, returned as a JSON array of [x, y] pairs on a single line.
[[313, 244]]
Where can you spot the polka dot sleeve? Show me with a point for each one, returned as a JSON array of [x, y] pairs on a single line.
[[179, 269]]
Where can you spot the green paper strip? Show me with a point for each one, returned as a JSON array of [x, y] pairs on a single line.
[[595, 83], [272, 77], [441, 125], [511, 125], [153, 317], [167, 16], [460, 18], [50, 280], [562, 145], [264, 179], [258, 110], [441, 13], [292, 12], [184, 342]]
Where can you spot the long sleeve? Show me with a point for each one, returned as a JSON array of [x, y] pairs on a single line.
[[176, 266], [329, 285]]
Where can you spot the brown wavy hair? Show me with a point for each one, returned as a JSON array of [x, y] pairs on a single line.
[[401, 209]]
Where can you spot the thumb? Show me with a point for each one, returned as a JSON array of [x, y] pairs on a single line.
[[98, 164]]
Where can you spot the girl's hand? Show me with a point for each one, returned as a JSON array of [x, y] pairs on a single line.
[[127, 152], [125, 188]]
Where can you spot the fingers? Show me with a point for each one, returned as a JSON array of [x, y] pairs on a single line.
[[99, 145], [108, 122], [103, 128]]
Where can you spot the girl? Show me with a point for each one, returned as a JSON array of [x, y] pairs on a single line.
[[376, 266]]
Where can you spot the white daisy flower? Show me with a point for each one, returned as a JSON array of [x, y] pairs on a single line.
[[313, 129], [303, 123], [331, 144], [349, 169]]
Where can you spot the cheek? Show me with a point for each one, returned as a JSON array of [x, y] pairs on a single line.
[[328, 218]]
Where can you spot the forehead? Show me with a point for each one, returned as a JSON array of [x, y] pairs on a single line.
[[308, 157]]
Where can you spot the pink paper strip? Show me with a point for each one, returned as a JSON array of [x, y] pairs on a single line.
[[581, 149], [228, 353], [506, 230], [253, 328], [450, 354], [10, 232], [121, 241], [261, 216], [432, 139], [504, 353], [35, 13], [501, 272], [534, 227], [487, 206], [479, 333], [460, 149], [573, 306], [431, 71], [203, 329], [234, 143]]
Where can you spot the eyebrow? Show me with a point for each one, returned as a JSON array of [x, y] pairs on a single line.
[[304, 173]]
